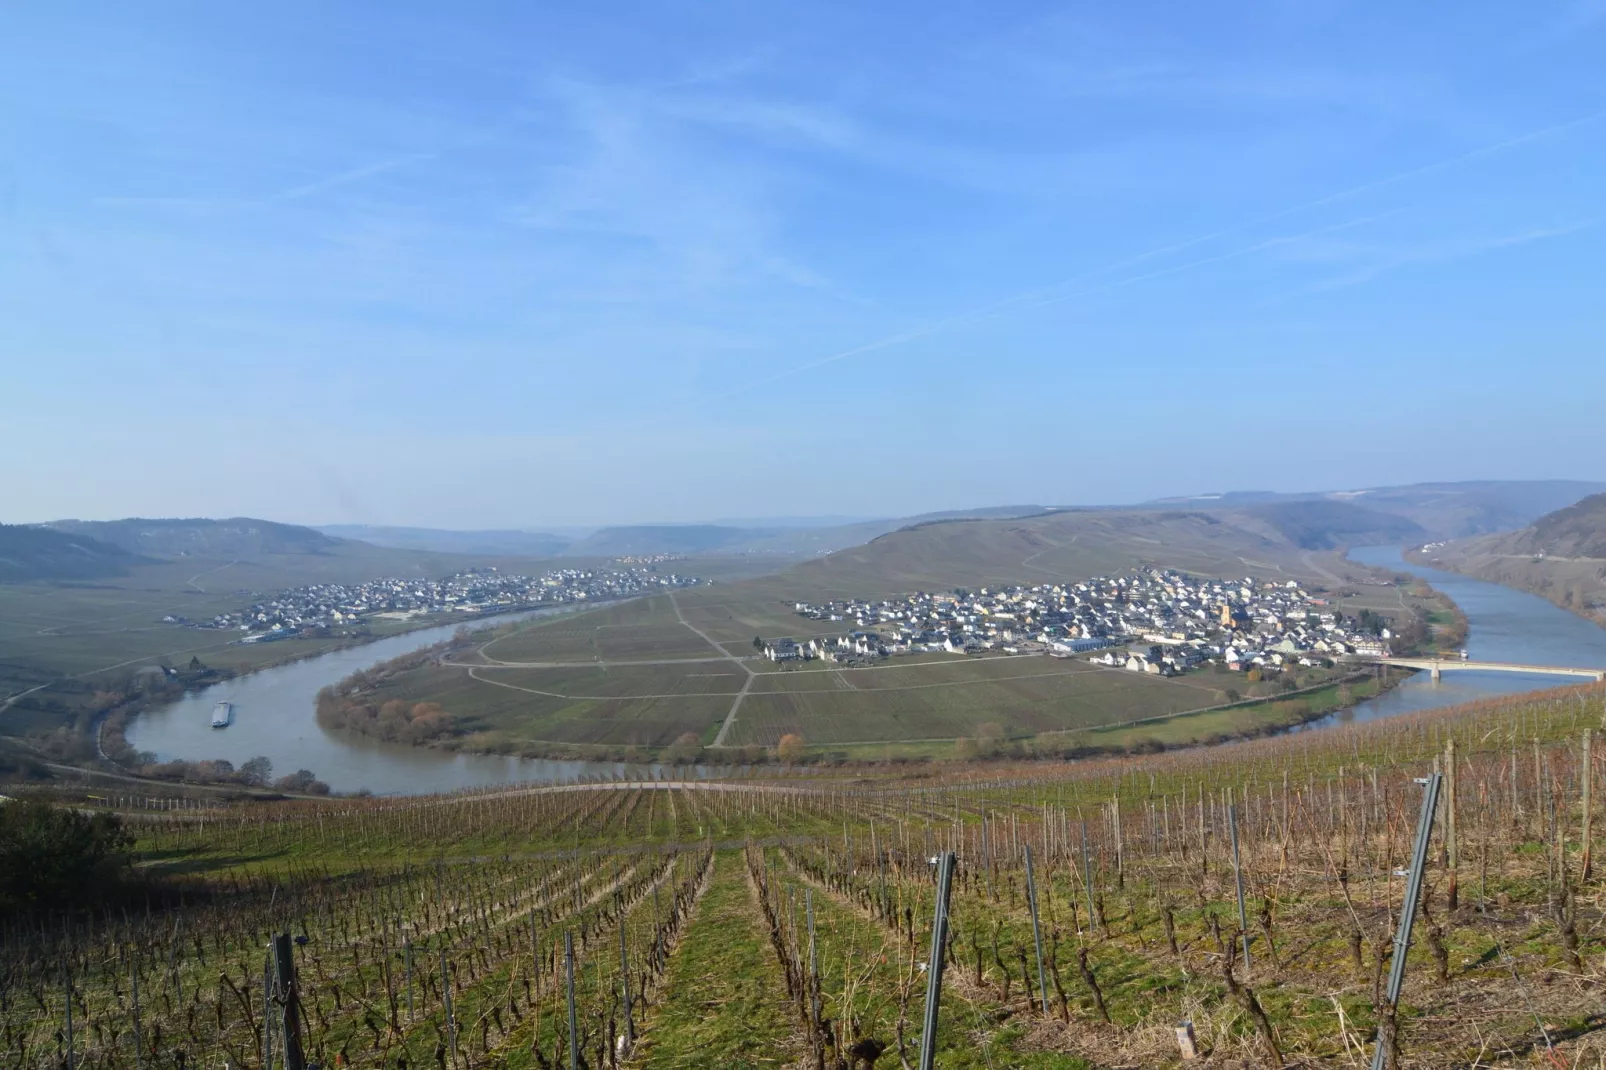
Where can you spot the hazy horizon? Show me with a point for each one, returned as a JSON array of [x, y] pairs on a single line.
[[524, 268], [800, 521]]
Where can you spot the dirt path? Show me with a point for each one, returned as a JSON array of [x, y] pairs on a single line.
[[209, 572], [1026, 562], [1309, 558], [736, 703], [597, 698]]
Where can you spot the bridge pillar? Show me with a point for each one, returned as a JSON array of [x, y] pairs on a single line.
[[1435, 672]]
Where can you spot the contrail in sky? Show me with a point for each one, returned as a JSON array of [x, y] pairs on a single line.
[[1048, 295], [355, 175]]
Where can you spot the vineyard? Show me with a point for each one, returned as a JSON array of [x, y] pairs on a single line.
[[1233, 906]]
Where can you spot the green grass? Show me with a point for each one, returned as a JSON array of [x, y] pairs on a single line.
[[861, 966], [724, 1002]]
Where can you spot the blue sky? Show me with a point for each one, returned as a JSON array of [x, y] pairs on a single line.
[[490, 264]]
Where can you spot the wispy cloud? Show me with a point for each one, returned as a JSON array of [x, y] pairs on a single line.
[[1074, 288], [346, 178], [1379, 260], [637, 165], [783, 120], [1068, 54]]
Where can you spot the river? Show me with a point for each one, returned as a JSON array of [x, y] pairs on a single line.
[[1503, 624], [275, 715]]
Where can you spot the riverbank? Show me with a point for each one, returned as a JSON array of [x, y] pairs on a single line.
[[109, 726], [75, 719], [276, 709], [1577, 585]]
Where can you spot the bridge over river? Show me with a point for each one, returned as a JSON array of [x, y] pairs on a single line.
[[1436, 666]]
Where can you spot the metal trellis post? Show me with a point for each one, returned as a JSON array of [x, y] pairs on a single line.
[[289, 999], [939, 943], [1413, 895]]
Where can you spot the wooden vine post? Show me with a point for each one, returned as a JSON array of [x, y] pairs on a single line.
[[1037, 929], [1238, 878], [1586, 777], [1087, 878], [288, 995], [624, 979], [574, 1025], [1451, 852]]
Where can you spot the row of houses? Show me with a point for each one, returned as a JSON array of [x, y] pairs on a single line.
[[1184, 621], [316, 606]]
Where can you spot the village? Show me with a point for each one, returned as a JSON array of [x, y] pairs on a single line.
[[318, 607], [1160, 622]]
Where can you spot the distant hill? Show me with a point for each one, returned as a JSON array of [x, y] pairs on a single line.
[[1561, 556], [35, 553], [1312, 522], [1576, 531], [1060, 545], [662, 539], [1328, 525], [829, 539], [1440, 510], [201, 537], [515, 543], [796, 536]]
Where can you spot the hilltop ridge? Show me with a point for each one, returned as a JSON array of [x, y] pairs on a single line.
[[1561, 556], [1446, 510], [201, 536], [33, 553]]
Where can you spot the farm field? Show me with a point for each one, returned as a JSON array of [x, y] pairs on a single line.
[[61, 643], [940, 670], [766, 921], [733, 614], [582, 681], [73, 637], [84, 627], [642, 629], [500, 710], [1021, 705], [711, 679]]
